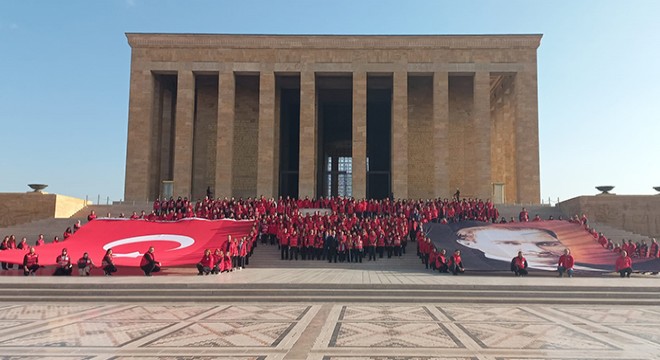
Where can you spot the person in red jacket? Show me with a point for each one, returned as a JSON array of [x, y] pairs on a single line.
[[63, 267], [85, 265], [293, 245], [91, 216], [218, 261], [107, 264], [623, 265], [242, 253], [566, 263], [441, 261], [654, 249], [284, 244], [228, 262], [30, 262], [519, 265], [233, 251], [148, 264], [456, 263], [205, 265]]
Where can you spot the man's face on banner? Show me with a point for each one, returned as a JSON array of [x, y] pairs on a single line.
[[540, 248]]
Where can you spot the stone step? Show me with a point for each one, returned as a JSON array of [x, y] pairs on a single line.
[[335, 292], [544, 211], [616, 234]]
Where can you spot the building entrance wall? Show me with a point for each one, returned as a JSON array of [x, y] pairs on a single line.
[[252, 115]]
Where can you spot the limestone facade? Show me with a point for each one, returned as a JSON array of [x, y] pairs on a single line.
[[207, 111]]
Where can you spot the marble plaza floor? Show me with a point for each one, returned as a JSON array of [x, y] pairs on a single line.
[[327, 331]]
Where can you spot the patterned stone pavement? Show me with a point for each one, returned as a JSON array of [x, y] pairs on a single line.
[[330, 331]]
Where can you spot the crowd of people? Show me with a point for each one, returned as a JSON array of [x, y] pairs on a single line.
[[345, 230]]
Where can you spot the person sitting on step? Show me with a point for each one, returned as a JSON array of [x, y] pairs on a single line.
[[566, 263], [30, 262], [85, 265], [63, 267], [108, 264], [624, 264], [519, 265], [205, 265], [148, 264]]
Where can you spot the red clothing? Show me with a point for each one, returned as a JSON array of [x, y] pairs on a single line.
[[63, 261], [455, 259], [207, 261], [148, 259], [623, 263], [440, 260], [30, 259], [566, 261], [520, 261]]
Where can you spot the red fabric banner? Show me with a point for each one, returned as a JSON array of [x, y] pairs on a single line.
[[176, 243]]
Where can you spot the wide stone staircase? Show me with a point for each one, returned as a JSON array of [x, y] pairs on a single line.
[[270, 279], [115, 210], [55, 227]]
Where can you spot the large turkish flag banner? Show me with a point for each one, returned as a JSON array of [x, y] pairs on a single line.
[[176, 243]]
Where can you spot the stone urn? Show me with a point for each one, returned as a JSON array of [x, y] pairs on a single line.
[[604, 189], [37, 187]]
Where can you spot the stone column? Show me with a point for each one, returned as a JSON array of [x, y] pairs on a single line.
[[400, 135], [266, 140], [440, 140], [225, 147], [359, 151], [140, 137], [482, 132], [183, 133], [527, 137], [308, 136]]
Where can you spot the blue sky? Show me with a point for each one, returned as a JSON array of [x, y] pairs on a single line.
[[65, 78]]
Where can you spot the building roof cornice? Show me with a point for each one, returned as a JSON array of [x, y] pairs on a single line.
[[162, 40]]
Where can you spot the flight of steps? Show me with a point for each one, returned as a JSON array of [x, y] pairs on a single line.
[[544, 211], [208, 289], [49, 227], [55, 227], [616, 234], [126, 208]]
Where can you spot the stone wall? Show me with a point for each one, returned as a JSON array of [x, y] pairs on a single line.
[[20, 208], [635, 213], [246, 129], [465, 121]]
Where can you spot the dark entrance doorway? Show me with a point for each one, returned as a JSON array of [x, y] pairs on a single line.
[[288, 88], [379, 136], [335, 119]]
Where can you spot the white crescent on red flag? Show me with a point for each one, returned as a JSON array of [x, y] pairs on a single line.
[[176, 243]]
